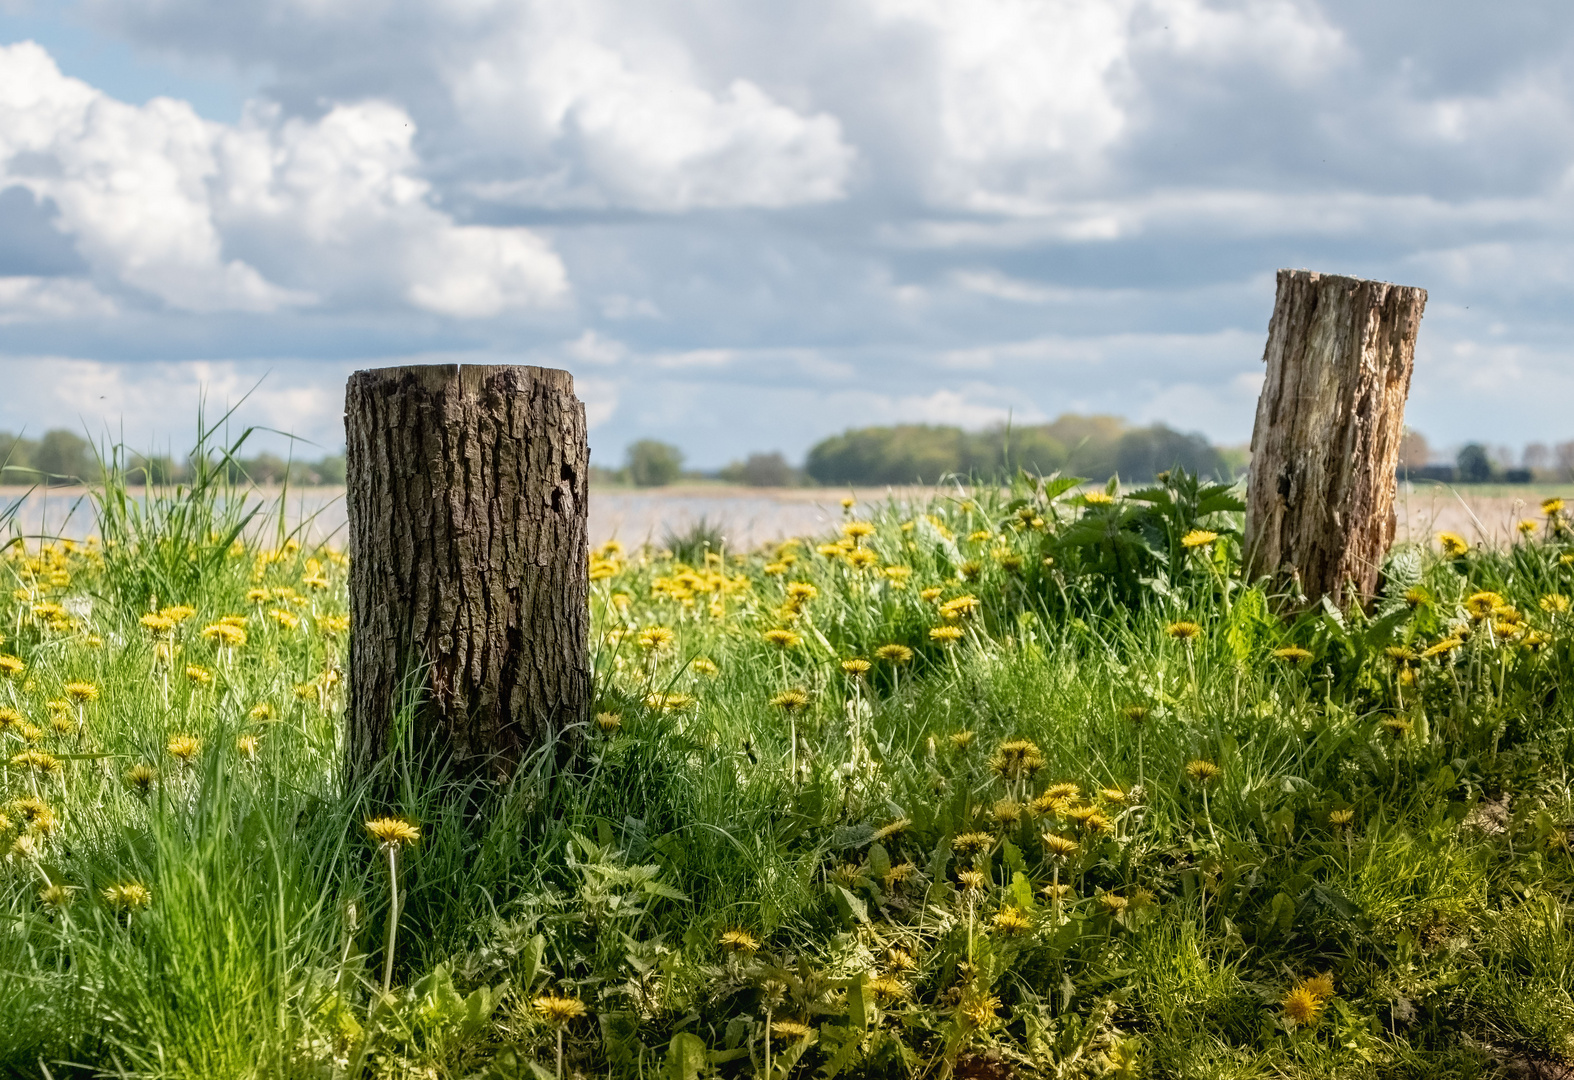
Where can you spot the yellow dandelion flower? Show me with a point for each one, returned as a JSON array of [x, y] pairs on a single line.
[[1526, 527], [1416, 596], [1183, 630], [558, 1010], [157, 623], [887, 988], [971, 880], [655, 638], [785, 1028], [1060, 847], [1203, 771], [1320, 986], [894, 653], [128, 896], [1198, 538], [246, 746], [946, 635], [39, 762], [54, 895], [261, 711], [286, 619], [184, 748], [1010, 922], [959, 608], [1397, 726], [930, 595], [609, 722], [1301, 1006], [393, 832], [141, 777], [1552, 507], [969, 842], [898, 959], [253, 596], [11, 666], [1555, 604], [782, 639], [857, 530], [979, 1010], [1098, 498], [333, 624], [1112, 903], [226, 635], [739, 940], [81, 691], [856, 667], [1008, 811], [1341, 818], [1442, 648], [1293, 655], [198, 674], [705, 666], [791, 699], [179, 613], [1453, 545]]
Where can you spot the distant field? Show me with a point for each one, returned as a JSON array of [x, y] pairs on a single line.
[[1483, 513]]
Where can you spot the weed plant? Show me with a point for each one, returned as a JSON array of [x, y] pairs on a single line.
[[1019, 782]]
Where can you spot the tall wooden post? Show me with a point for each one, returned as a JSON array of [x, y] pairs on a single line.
[[1320, 495], [469, 559]]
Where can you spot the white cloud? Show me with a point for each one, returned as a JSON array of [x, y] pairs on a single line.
[[156, 199], [33, 299]]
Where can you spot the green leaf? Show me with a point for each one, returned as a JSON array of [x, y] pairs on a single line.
[[1022, 891], [656, 888], [685, 1057], [858, 1010], [530, 962], [851, 907], [1280, 916]]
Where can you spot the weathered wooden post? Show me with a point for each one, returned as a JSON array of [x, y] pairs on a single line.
[[1320, 494], [469, 586]]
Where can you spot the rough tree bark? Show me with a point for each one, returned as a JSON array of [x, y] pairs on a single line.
[[469, 559], [1320, 496]]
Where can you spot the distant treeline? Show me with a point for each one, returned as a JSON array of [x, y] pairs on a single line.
[[1096, 447], [63, 457]]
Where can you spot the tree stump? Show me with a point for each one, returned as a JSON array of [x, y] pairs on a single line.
[[469, 560], [1320, 493]]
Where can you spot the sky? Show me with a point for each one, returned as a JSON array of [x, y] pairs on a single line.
[[744, 226]]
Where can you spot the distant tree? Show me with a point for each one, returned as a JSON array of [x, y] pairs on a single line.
[[1091, 443], [16, 454], [762, 470], [158, 469], [330, 470], [905, 454], [997, 453], [1475, 466], [65, 456], [1414, 451], [654, 464], [1145, 452], [1537, 457], [1563, 460]]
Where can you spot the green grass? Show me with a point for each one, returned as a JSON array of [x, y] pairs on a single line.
[[881, 848]]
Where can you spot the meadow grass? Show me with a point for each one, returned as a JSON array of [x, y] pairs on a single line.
[[1019, 782]]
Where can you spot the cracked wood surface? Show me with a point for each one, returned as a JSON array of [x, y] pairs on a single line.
[[466, 499], [1320, 496]]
